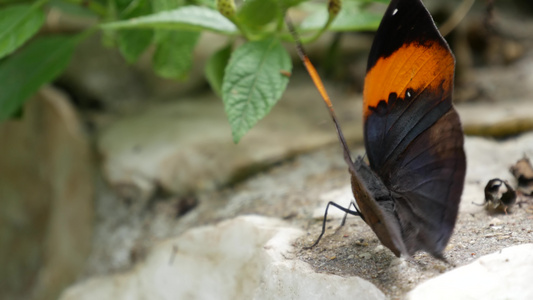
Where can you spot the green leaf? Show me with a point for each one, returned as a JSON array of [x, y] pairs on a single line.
[[214, 69], [173, 56], [257, 13], [350, 18], [132, 43], [253, 83], [26, 71], [185, 18], [18, 23]]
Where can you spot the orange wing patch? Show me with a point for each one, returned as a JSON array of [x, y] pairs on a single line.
[[414, 66]]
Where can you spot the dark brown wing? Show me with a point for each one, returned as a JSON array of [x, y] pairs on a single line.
[[427, 184]]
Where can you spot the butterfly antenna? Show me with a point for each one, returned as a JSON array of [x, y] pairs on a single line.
[[322, 90]]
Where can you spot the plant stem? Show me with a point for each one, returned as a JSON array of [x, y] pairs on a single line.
[[281, 20], [241, 29], [318, 33], [131, 7]]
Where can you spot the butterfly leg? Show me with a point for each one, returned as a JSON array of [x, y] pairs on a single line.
[[346, 210], [479, 204], [346, 213]]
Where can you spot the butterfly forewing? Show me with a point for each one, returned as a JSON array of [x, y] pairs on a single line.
[[409, 60]]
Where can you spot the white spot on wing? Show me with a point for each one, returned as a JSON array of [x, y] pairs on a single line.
[[394, 11]]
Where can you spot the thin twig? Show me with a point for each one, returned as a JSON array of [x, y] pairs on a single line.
[[456, 18]]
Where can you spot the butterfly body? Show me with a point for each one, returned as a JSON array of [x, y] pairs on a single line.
[[375, 204]]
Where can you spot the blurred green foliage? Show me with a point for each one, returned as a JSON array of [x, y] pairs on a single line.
[[249, 78]]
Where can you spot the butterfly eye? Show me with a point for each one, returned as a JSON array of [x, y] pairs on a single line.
[[395, 11]]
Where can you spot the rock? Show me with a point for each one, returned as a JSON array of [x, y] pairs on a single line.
[[248, 257], [186, 146], [495, 222], [46, 193], [100, 77], [503, 106], [497, 119], [502, 275]]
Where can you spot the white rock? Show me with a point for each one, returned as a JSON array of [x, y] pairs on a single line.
[[480, 114], [247, 257], [502, 275]]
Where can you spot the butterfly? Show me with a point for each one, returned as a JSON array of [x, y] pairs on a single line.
[[410, 190]]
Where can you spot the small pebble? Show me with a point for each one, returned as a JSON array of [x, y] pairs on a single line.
[[495, 221], [379, 248]]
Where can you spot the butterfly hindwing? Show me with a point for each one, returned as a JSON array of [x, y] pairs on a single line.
[[428, 185]]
